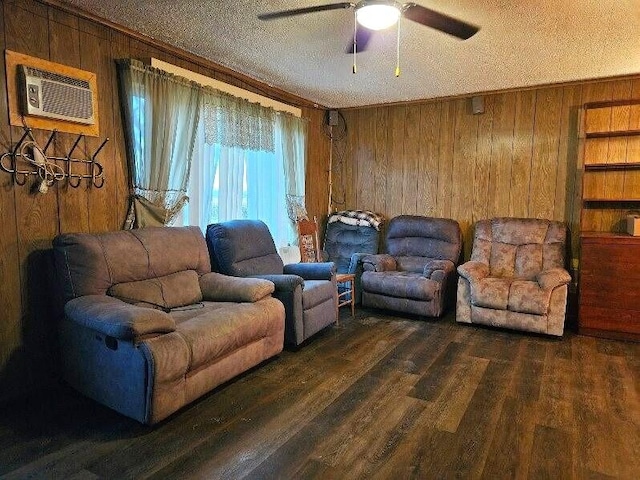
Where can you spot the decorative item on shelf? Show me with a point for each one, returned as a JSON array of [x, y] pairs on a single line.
[[28, 158]]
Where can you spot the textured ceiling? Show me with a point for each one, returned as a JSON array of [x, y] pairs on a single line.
[[521, 43]]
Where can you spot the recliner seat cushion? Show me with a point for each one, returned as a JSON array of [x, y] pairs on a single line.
[[527, 297], [316, 292], [218, 328], [400, 284], [491, 292], [523, 296]]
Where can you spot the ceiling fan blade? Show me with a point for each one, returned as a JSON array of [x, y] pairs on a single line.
[[302, 11], [363, 35], [439, 21]]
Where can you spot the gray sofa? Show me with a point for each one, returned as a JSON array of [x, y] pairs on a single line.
[[417, 274], [245, 248], [148, 327], [516, 277]]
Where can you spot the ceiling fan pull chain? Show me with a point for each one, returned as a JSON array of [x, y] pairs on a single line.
[[355, 39], [398, 49]]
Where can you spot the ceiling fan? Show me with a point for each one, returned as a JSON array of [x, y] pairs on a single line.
[[374, 15]]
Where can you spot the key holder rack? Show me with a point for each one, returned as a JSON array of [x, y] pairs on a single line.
[[27, 158]]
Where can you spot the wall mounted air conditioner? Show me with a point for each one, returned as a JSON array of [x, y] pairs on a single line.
[[52, 95]]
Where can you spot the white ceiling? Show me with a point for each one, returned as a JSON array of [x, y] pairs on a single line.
[[521, 43]]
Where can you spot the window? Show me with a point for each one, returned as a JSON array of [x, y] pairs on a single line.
[[232, 182]]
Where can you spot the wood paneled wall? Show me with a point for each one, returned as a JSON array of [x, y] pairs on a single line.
[[521, 157], [29, 220]]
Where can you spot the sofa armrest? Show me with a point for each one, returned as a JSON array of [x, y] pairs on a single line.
[[283, 282], [552, 278], [473, 270], [115, 318], [312, 271], [438, 269], [381, 262], [223, 288]]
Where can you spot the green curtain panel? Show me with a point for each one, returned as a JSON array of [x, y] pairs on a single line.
[[161, 115]]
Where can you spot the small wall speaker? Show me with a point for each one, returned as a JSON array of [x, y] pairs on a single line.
[[477, 105]]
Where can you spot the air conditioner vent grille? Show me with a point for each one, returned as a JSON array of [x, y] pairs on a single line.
[[56, 77], [58, 101]]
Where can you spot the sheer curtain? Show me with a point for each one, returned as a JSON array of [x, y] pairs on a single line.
[[249, 162], [161, 116]]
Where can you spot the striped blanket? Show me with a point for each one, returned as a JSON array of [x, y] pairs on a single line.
[[358, 217]]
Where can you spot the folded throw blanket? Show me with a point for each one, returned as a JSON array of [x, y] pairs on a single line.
[[358, 217]]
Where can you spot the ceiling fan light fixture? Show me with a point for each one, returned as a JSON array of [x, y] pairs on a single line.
[[377, 15]]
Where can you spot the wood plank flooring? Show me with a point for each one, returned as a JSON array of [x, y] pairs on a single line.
[[378, 397]]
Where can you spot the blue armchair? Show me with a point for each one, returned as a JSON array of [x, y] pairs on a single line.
[[245, 248], [347, 244]]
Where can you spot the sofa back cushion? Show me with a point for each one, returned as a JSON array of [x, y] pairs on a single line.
[[90, 264], [519, 247], [166, 292], [242, 248], [417, 236]]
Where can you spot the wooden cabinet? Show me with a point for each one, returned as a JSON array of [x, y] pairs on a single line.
[[609, 288], [609, 285]]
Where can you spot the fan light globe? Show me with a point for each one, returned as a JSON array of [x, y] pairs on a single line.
[[376, 16]]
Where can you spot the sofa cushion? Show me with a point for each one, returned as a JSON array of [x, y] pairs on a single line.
[[89, 264], [217, 329], [400, 284], [491, 292], [169, 291], [316, 292]]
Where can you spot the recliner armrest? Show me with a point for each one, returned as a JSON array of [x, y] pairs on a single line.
[[223, 288], [282, 282], [312, 271], [473, 270], [118, 319], [552, 278], [381, 262], [438, 269], [356, 260]]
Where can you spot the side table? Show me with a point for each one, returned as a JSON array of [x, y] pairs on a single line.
[[349, 281]]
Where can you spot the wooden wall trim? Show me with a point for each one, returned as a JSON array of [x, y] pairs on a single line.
[[573, 83]]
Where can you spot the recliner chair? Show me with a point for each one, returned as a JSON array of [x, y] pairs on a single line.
[[516, 277], [417, 275], [245, 248], [346, 244]]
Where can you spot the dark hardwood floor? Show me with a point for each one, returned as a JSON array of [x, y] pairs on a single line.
[[377, 397]]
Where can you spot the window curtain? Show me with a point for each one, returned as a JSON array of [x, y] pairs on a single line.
[[249, 162], [292, 139], [161, 116]]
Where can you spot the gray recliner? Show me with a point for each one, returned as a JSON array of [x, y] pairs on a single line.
[[346, 244], [245, 248], [516, 277], [418, 274]]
